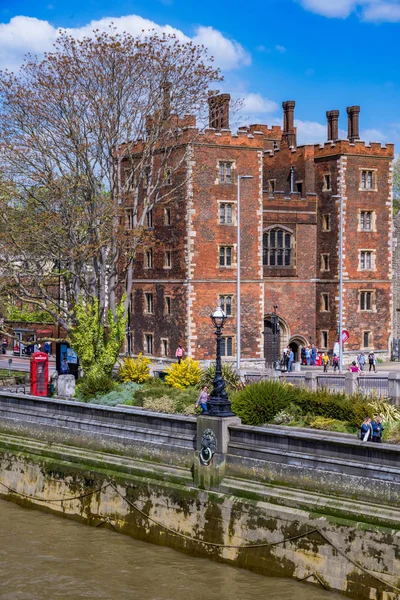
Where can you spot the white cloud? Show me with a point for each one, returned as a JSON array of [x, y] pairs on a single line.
[[255, 103], [27, 34], [280, 49], [368, 10]]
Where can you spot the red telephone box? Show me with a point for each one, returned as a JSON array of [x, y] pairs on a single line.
[[39, 373]]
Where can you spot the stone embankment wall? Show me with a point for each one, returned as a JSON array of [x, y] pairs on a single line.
[[275, 500]]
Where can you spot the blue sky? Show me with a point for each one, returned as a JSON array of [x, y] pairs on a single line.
[[325, 54]]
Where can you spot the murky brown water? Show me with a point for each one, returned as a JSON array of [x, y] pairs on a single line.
[[43, 557]]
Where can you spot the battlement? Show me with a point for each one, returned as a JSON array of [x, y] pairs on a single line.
[[294, 199], [357, 147]]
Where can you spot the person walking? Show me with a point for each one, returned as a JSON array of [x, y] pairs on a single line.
[[377, 430], [313, 355], [303, 356], [325, 362], [291, 360], [286, 352], [371, 361], [308, 355], [361, 361], [366, 430], [354, 367], [179, 353], [335, 362], [202, 400]]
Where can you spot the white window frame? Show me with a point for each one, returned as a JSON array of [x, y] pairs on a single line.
[[374, 183], [168, 259], [149, 303], [164, 347], [167, 217], [365, 211], [373, 262], [145, 346], [225, 203], [325, 188], [222, 300], [167, 305], [324, 332]]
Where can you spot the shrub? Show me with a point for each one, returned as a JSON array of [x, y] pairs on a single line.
[[259, 402], [94, 383], [229, 373], [183, 375], [329, 424], [137, 370], [163, 404], [180, 400], [123, 394], [388, 412], [391, 433]]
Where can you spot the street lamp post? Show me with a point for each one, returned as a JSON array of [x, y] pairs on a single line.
[[238, 291], [219, 404], [128, 331]]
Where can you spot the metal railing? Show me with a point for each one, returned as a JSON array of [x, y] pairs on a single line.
[[374, 386]]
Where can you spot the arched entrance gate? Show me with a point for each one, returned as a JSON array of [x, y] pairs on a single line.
[[274, 341]]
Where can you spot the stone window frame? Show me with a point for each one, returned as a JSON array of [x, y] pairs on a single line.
[[296, 183], [271, 183], [129, 217], [167, 259], [374, 172], [324, 302], [324, 332], [167, 305], [167, 216], [325, 188], [233, 258], [150, 218], [373, 220], [373, 259], [292, 248], [232, 164], [148, 262], [328, 217], [328, 267], [164, 347], [370, 339], [373, 300], [147, 334], [148, 299], [222, 303], [233, 203], [233, 342]]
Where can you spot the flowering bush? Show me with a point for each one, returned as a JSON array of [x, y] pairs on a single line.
[[137, 370], [184, 375]]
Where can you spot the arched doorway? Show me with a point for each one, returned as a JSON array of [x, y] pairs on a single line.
[[296, 343], [274, 342]]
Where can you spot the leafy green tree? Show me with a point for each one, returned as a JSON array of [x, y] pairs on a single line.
[[98, 346]]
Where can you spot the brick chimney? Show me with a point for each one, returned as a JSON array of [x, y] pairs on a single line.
[[333, 125], [219, 111], [289, 133], [353, 123], [166, 90]]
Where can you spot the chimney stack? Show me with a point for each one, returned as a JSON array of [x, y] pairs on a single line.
[[219, 111], [289, 134], [166, 89], [333, 125], [353, 123]]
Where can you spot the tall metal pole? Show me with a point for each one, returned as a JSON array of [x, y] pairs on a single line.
[[238, 290], [341, 285]]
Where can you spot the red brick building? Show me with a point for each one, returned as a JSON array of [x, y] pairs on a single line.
[[289, 242]]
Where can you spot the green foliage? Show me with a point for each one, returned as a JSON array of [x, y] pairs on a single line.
[[183, 375], [329, 424], [121, 394], [388, 412], [261, 402], [391, 432], [27, 314], [137, 370], [229, 373], [97, 345], [154, 394], [93, 384]]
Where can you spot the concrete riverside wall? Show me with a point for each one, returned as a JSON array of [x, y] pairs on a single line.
[[329, 506]]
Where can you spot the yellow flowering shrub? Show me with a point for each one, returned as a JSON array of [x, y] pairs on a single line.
[[184, 375], [137, 370]]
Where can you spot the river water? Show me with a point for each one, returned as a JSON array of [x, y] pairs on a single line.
[[43, 557]]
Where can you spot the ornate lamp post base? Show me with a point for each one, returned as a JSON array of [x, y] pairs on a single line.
[[219, 404]]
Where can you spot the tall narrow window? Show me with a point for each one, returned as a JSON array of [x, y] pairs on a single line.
[[271, 186], [149, 217], [167, 216], [149, 343], [225, 172], [129, 216], [277, 248], [327, 183], [299, 187], [324, 302], [366, 300], [167, 259], [149, 302], [148, 263], [366, 220], [367, 339], [225, 213], [164, 347], [129, 178], [326, 222], [324, 262], [225, 303], [225, 256], [168, 305], [368, 180], [167, 176], [324, 339]]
